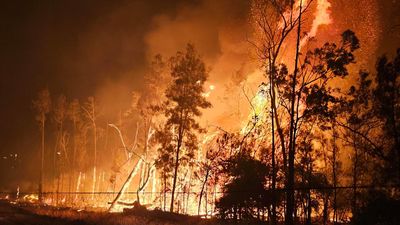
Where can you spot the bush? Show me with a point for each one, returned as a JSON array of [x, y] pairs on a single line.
[[379, 210]]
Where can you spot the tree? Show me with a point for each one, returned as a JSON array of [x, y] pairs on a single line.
[[209, 168], [59, 116], [91, 114], [387, 106], [183, 105], [42, 106], [274, 21], [245, 195], [155, 83], [371, 127], [74, 115]]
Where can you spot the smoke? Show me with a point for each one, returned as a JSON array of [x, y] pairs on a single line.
[[101, 48], [219, 30]]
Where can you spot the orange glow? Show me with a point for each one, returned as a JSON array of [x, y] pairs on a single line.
[[321, 17]]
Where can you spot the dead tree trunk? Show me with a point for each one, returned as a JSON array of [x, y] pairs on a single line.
[[125, 186], [41, 163]]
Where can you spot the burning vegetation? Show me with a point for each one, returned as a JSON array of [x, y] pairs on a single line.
[[306, 136]]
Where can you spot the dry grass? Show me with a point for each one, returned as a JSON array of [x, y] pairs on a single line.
[[133, 217]]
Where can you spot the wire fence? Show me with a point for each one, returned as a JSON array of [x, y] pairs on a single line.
[[188, 202], [244, 190]]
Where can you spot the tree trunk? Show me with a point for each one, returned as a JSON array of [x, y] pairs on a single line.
[[289, 220], [94, 158], [325, 210], [180, 138], [165, 190], [273, 210], [202, 191], [309, 206], [355, 165], [334, 177], [40, 195], [124, 186]]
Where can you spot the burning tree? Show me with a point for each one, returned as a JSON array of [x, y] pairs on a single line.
[[183, 104], [143, 111], [300, 95]]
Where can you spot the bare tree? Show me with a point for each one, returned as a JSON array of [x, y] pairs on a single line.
[[59, 116], [42, 105], [274, 20], [91, 114], [73, 114]]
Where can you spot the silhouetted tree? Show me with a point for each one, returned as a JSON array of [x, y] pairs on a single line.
[[274, 21], [60, 153], [42, 106], [184, 101], [387, 106], [245, 195]]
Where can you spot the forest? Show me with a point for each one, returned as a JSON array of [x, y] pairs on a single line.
[[319, 142]]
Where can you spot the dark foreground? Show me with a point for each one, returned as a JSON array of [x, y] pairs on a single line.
[[13, 215], [31, 214]]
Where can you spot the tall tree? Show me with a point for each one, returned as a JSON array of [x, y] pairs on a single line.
[[387, 105], [59, 116], [73, 114], [183, 105], [42, 105], [91, 113], [155, 84], [274, 22]]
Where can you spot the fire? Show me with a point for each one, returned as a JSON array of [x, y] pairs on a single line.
[[211, 88], [31, 198], [259, 114], [322, 17], [258, 109]]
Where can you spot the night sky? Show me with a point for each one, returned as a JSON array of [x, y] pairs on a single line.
[[81, 48]]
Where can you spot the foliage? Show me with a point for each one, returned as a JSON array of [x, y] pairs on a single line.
[[246, 193], [184, 103], [379, 209]]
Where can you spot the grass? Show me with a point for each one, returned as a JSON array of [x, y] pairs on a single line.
[[129, 217]]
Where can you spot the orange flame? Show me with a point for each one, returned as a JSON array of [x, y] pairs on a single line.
[[322, 17]]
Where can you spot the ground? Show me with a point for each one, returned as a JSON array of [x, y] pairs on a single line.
[[13, 215], [32, 214]]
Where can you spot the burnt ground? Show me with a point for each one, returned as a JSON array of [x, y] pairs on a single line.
[[13, 215]]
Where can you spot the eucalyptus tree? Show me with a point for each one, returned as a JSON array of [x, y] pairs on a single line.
[[42, 105], [184, 101]]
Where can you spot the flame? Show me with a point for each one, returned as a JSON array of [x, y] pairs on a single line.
[[116, 207], [322, 17], [31, 198], [208, 93], [258, 109], [258, 115]]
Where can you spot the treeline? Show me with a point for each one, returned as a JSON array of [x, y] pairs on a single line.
[[319, 153], [143, 149]]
